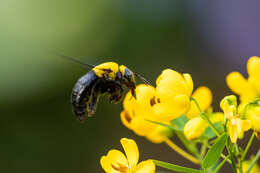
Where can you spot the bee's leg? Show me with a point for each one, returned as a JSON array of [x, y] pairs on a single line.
[[116, 93], [92, 104]]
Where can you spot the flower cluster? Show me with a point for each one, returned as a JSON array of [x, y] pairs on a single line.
[[171, 107]]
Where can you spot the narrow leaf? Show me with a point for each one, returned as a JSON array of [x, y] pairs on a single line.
[[163, 124], [214, 152], [176, 168]]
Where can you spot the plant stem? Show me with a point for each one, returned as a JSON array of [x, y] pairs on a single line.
[[211, 125], [220, 165], [253, 161], [205, 117], [203, 148], [180, 151], [197, 104], [248, 146], [188, 144], [233, 163]]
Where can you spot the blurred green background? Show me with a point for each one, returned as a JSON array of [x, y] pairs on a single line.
[[38, 131]]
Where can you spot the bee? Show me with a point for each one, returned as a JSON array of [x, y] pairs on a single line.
[[106, 78]]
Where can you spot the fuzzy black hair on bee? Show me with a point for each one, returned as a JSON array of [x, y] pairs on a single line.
[[106, 78]]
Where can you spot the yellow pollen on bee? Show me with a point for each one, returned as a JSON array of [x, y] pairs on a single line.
[[108, 68]]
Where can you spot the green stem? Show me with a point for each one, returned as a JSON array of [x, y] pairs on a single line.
[[211, 125], [197, 104], [220, 165], [233, 163], [188, 144], [248, 146], [205, 117], [253, 161], [203, 148]]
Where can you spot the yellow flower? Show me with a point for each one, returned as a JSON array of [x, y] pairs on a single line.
[[236, 126], [138, 111], [253, 114], [203, 96], [247, 89], [195, 127], [116, 162], [173, 91], [229, 106], [169, 100]]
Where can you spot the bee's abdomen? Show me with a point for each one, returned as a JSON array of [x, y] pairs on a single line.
[[81, 94]]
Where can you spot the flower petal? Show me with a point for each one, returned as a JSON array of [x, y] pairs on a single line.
[[232, 131], [204, 98], [171, 83], [147, 166], [126, 119], [189, 82], [159, 134], [253, 66], [195, 128], [141, 126], [254, 116], [238, 84], [131, 151], [114, 157], [172, 109]]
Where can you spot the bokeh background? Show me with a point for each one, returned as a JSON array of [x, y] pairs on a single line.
[[39, 133]]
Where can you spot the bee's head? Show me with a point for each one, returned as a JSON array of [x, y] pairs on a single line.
[[128, 78]]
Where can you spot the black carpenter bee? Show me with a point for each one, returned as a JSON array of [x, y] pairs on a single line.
[[106, 78]]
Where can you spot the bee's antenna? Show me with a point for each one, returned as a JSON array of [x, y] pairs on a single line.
[[76, 61], [143, 79]]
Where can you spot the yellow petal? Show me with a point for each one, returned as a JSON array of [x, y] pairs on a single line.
[[254, 116], [126, 119], [232, 131], [144, 94], [159, 134], [114, 157], [189, 82], [216, 117], [237, 83], [246, 125], [204, 98], [141, 126], [171, 109], [171, 83], [253, 66], [195, 128], [147, 166], [255, 82], [131, 151]]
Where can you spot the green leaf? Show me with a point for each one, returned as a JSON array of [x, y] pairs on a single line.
[[164, 125], [176, 168], [214, 152], [209, 134], [180, 122]]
